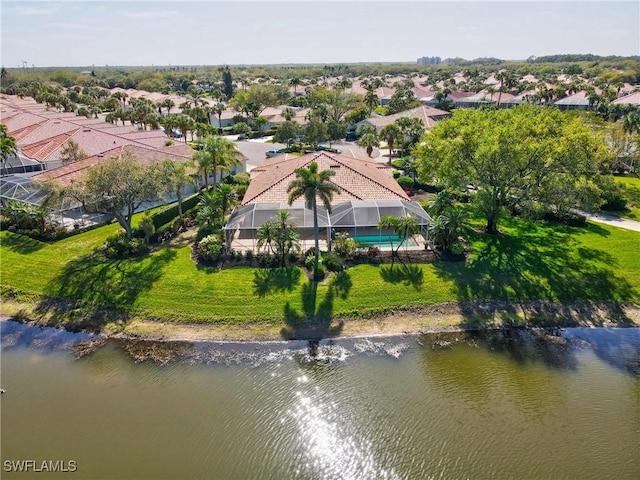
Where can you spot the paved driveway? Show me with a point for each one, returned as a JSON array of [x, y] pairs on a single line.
[[613, 221], [255, 151]]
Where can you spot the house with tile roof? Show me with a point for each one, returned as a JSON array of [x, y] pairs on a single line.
[[429, 116], [367, 192]]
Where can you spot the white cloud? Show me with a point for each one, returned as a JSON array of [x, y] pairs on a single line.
[[153, 14], [31, 11]]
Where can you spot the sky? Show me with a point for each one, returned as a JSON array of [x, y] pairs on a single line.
[[207, 32]]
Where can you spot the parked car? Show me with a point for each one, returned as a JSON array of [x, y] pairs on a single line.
[[351, 137], [272, 153]]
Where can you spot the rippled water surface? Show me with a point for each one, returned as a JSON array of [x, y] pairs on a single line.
[[509, 405]]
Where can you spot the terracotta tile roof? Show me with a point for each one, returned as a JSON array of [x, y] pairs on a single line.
[[357, 179], [22, 120], [76, 171], [48, 129], [579, 98], [42, 149], [18, 135], [631, 99], [428, 115]]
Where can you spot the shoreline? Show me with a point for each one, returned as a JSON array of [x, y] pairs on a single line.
[[443, 317]]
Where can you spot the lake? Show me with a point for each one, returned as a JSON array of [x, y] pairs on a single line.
[[513, 404]]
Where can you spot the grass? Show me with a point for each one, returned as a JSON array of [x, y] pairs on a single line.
[[530, 261], [631, 186]]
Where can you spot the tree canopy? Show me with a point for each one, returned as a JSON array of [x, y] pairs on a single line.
[[519, 157], [118, 187]]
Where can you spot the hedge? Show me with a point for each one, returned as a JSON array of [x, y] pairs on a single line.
[[169, 213]]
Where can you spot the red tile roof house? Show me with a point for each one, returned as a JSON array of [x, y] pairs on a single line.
[[631, 99], [429, 116], [577, 101], [367, 189], [41, 137]]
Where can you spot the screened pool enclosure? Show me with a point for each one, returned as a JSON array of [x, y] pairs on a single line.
[[358, 219]]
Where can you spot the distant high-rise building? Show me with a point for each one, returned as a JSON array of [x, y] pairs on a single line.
[[429, 61]]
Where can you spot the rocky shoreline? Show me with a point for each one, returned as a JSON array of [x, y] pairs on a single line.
[[445, 317]]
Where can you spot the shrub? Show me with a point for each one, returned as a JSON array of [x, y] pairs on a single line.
[[209, 248], [248, 255], [241, 128], [320, 273], [396, 174], [344, 246], [168, 143], [457, 248], [373, 251], [117, 246], [266, 260], [570, 219], [332, 262], [398, 164], [205, 231], [309, 260], [405, 182], [166, 215]]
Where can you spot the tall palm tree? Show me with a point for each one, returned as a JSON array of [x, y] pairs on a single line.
[[312, 184], [391, 134], [218, 109], [368, 141], [217, 153]]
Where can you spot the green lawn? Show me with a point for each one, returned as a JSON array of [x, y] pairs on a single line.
[[529, 261], [632, 193]]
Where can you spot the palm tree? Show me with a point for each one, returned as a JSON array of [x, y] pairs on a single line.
[[209, 209], [184, 123], [168, 104], [227, 196], [218, 109], [368, 141], [279, 235], [7, 146], [371, 99], [312, 185], [295, 82], [217, 153], [390, 133], [288, 113]]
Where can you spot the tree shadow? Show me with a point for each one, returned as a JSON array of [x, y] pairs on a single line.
[[408, 275], [94, 290], [22, 244], [315, 321], [477, 366], [267, 281], [545, 278]]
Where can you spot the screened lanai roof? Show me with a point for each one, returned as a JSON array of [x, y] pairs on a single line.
[[361, 213], [354, 213], [254, 215], [21, 188]]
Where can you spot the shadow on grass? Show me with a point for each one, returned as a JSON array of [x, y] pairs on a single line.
[[94, 290], [408, 275], [532, 273], [22, 244], [315, 321], [267, 281]]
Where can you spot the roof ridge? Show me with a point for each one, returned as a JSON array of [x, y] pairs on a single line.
[[365, 176]]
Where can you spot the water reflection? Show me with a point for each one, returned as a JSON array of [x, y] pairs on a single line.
[[451, 406], [619, 347], [471, 367]]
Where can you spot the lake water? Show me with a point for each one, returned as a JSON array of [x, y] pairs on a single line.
[[501, 405]]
